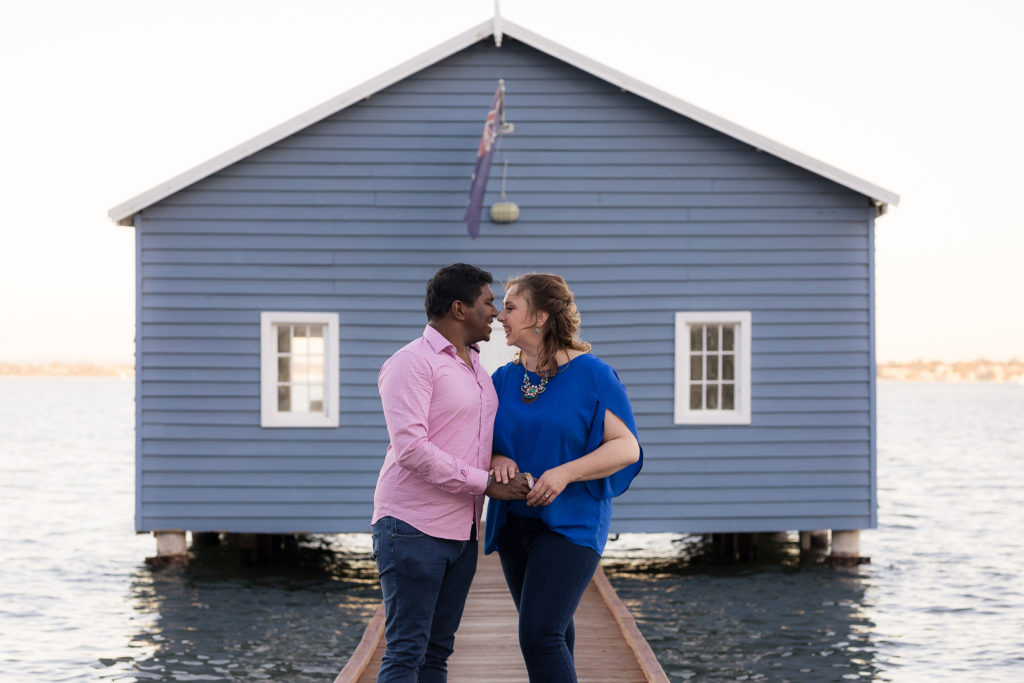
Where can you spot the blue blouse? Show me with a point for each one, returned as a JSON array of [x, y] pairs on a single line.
[[564, 423]]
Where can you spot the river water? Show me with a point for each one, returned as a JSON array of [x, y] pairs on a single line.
[[942, 599]]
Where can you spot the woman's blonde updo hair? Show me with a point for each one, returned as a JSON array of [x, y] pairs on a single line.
[[549, 293]]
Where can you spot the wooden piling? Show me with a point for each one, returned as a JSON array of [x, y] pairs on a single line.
[[846, 549], [171, 548], [814, 541]]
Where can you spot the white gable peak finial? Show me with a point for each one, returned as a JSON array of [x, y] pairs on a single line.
[[497, 23]]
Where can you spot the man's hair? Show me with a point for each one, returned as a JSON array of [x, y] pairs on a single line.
[[457, 282]]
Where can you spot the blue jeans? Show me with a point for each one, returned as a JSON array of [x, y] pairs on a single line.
[[424, 581], [547, 575]]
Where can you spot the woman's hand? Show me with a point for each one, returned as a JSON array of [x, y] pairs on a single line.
[[547, 488], [503, 468]]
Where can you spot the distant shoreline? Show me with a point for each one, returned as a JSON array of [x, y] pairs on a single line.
[[66, 370], [980, 370]]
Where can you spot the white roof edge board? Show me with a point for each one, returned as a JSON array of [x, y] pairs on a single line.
[[124, 213], [879, 194]]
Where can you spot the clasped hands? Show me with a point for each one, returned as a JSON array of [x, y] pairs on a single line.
[[511, 484], [515, 487]]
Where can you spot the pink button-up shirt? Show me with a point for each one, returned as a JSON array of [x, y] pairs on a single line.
[[440, 416]]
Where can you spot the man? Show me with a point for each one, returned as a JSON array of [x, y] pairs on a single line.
[[439, 404]]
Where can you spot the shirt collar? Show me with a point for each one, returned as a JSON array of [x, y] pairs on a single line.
[[439, 343]]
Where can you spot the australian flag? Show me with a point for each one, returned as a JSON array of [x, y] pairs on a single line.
[[484, 154]]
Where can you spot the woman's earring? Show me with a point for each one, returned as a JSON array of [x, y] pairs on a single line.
[[536, 330]]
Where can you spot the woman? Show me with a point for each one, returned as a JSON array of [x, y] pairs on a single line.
[[564, 417]]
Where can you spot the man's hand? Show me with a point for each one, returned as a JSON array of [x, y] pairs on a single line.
[[516, 488], [503, 468]]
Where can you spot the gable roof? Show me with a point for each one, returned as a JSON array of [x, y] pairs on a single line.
[[123, 214]]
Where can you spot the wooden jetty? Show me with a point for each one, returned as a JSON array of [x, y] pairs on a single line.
[[609, 647]]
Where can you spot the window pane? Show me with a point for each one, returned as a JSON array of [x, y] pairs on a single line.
[[696, 338], [300, 368], [728, 397], [695, 395], [712, 337], [696, 366], [728, 337], [300, 341], [712, 367], [728, 366], [712, 396], [284, 399], [316, 340], [316, 398], [316, 369], [284, 335], [284, 369], [300, 398]]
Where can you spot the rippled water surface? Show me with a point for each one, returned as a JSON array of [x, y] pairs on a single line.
[[941, 600]]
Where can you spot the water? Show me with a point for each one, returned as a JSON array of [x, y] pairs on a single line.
[[941, 600]]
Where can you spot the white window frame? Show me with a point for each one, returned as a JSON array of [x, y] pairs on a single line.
[[269, 414], [740, 414]]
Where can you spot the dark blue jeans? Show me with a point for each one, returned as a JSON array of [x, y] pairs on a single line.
[[424, 581], [547, 575]]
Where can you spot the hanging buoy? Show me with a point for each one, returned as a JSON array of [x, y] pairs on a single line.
[[504, 211]]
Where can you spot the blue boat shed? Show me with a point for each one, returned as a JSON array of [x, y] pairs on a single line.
[[728, 278]]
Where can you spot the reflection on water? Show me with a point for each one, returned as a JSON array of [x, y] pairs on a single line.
[[294, 617], [778, 618]]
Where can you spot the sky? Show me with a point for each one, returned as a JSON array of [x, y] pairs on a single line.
[[106, 99]]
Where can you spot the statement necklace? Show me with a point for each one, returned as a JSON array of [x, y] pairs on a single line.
[[532, 391]]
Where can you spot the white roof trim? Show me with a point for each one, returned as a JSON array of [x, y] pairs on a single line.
[[879, 194], [123, 214]]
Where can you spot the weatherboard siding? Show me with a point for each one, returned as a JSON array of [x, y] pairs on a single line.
[[645, 213]]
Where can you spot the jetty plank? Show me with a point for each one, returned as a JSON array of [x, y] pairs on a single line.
[[366, 651], [609, 646]]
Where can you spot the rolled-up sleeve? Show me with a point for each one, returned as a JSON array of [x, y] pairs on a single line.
[[406, 387]]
